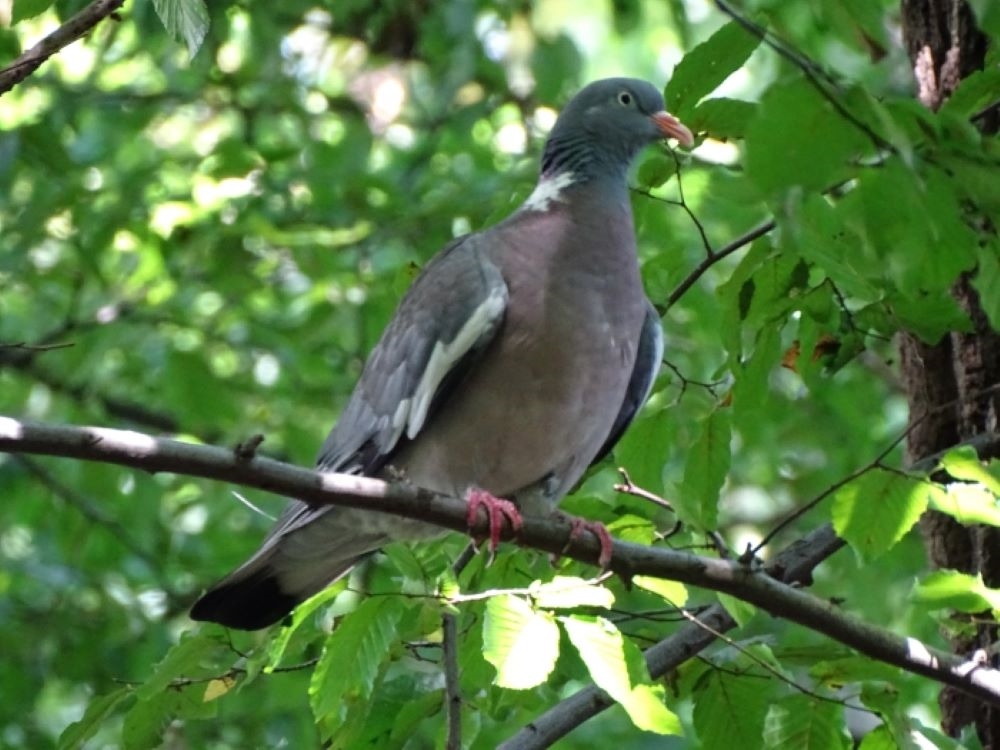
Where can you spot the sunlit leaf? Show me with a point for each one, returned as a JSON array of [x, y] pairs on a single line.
[[874, 511], [186, 20], [564, 592], [616, 666], [672, 592], [950, 589], [520, 642]]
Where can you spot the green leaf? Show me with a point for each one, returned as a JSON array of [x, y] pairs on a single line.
[[98, 711], [184, 20], [835, 673], [566, 592], [182, 660], [706, 66], [672, 592], [24, 9], [655, 170], [974, 92], [643, 449], [880, 738], [949, 589], [143, 725], [741, 699], [966, 503], [930, 317], [617, 667], [353, 654], [962, 462], [722, 119], [987, 282], [798, 139], [874, 511], [521, 643], [705, 471], [738, 609], [801, 721]]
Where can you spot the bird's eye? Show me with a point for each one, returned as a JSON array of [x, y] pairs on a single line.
[[625, 99]]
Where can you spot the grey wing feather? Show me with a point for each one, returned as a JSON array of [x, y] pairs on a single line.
[[448, 317], [648, 358]]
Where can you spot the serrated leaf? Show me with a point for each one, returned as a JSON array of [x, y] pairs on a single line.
[[706, 66], [184, 20], [963, 462], [742, 700], [874, 511], [949, 589], [353, 654], [672, 592], [181, 660], [519, 642], [565, 592], [300, 615], [24, 9], [722, 119], [617, 667], [98, 710], [805, 723], [707, 464]]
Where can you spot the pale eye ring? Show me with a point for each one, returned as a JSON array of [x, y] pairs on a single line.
[[625, 99]]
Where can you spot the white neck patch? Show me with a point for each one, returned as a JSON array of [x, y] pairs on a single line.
[[547, 190]]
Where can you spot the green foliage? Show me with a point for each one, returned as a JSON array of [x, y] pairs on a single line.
[[220, 237], [874, 511]]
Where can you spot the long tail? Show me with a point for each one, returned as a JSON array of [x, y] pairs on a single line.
[[308, 549]]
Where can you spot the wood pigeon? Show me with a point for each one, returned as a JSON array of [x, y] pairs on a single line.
[[516, 360]]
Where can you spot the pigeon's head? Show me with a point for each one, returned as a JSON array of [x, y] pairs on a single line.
[[606, 124]]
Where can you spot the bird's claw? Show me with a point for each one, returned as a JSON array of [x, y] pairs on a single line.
[[599, 530], [497, 510]]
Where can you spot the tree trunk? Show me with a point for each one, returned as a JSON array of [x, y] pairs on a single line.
[[947, 383]]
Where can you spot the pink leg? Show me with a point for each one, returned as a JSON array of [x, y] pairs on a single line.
[[597, 529], [497, 509]]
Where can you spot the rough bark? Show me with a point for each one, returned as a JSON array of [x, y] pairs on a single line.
[[948, 383]]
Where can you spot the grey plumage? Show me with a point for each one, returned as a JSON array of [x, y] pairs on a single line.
[[517, 358]]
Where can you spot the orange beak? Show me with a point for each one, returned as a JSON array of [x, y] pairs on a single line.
[[671, 127]]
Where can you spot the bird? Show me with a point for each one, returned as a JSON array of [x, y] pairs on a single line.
[[515, 360]]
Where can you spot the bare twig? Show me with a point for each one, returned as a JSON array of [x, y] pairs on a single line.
[[69, 32]]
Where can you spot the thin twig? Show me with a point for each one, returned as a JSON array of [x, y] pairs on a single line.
[[706, 263], [28, 62]]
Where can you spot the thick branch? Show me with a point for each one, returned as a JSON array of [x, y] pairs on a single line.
[[65, 35], [548, 534]]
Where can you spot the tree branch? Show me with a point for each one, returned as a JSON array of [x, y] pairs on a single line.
[[793, 566], [28, 62], [554, 535]]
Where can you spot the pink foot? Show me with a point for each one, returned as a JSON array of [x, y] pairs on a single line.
[[497, 509], [599, 530]]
